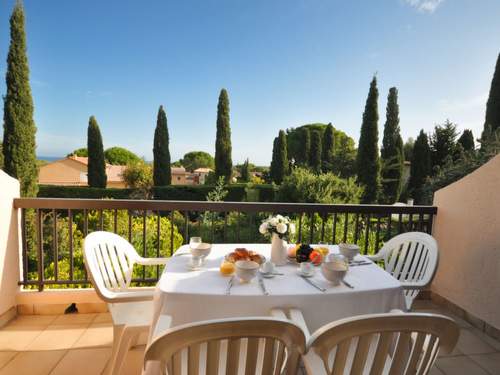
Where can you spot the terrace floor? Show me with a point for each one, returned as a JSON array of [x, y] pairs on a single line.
[[81, 344]]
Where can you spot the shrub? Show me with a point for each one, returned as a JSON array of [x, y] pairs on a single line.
[[303, 186]]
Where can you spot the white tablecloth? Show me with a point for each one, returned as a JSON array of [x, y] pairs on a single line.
[[189, 296]]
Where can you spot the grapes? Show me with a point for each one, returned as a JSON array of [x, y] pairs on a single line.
[[303, 252]]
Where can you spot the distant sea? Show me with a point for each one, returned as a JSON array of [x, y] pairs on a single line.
[[49, 158]]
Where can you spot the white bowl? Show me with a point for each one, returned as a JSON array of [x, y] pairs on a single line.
[[349, 250], [246, 270], [334, 271], [201, 249]]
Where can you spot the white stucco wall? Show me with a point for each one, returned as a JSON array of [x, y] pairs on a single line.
[[467, 229], [9, 242]]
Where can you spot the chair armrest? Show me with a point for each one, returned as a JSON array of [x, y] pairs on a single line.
[[375, 257], [152, 261], [415, 285], [129, 296]]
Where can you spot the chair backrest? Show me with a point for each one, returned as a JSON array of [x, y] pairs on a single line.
[[268, 345], [384, 343], [110, 260], [412, 258]]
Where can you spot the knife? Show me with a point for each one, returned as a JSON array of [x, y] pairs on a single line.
[[262, 286], [313, 284], [229, 285], [347, 284], [359, 264]]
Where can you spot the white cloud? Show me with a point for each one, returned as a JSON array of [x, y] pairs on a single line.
[[424, 6]]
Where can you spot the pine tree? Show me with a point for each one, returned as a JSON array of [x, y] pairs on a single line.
[[96, 166], [223, 161], [443, 143], [467, 140], [279, 163], [392, 151], [245, 171], [328, 150], [367, 160], [315, 153], [162, 174], [19, 127], [492, 117], [421, 167]]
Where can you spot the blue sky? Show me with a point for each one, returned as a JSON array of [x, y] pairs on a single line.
[[283, 62]]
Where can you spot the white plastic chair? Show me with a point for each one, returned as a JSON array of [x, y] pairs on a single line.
[[110, 260], [266, 345], [392, 343], [412, 258]]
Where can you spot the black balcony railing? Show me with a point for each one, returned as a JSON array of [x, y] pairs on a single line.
[[53, 229]]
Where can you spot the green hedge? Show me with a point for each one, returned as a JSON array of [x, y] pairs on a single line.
[[236, 192], [55, 191]]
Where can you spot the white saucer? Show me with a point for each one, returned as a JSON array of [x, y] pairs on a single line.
[[302, 274], [267, 275]]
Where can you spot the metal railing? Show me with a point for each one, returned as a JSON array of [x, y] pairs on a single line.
[[53, 229]]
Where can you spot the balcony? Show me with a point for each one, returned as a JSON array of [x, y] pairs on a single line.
[[53, 321]]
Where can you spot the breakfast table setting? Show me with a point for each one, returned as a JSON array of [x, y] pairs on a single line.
[[326, 282]]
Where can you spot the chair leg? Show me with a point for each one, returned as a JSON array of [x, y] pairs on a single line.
[[117, 336], [141, 338], [129, 334]]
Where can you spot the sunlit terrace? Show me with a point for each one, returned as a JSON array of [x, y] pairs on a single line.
[[54, 322]]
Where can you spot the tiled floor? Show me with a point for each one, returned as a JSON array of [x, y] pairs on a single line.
[[58, 345], [81, 344]]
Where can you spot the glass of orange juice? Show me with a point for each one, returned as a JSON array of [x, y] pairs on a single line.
[[227, 268], [323, 248]]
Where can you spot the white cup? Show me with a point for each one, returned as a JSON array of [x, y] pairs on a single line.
[[306, 268], [268, 267]]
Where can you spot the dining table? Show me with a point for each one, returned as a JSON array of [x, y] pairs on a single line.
[[188, 295]]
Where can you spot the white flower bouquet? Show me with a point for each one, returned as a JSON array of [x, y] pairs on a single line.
[[280, 225]]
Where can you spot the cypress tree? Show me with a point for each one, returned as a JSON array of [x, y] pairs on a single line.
[[96, 166], [492, 118], [306, 138], [162, 174], [328, 150], [315, 154], [367, 160], [467, 140], [223, 161], [408, 149], [421, 166], [302, 157], [19, 127], [279, 163], [245, 171], [392, 153]]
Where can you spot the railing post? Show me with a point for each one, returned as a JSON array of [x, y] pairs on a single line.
[[39, 226]]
